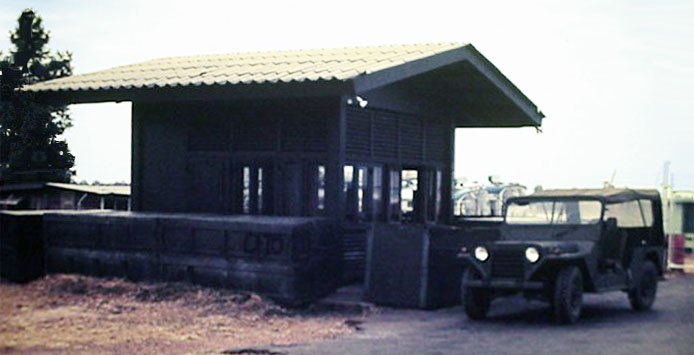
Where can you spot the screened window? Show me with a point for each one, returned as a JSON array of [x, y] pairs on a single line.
[[688, 218], [253, 190], [408, 190], [360, 186], [260, 189], [321, 188], [246, 189], [348, 171]]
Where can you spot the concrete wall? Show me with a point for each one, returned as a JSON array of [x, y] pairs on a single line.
[[416, 266], [293, 260], [21, 245]]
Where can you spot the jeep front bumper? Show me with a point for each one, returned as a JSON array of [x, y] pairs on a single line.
[[505, 284]]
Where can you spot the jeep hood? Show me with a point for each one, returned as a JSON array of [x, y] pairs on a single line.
[[565, 247], [550, 233]]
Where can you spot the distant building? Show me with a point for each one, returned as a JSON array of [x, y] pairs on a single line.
[[678, 209], [54, 196], [480, 200]]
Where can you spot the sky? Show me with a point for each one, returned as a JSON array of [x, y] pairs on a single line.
[[615, 79]]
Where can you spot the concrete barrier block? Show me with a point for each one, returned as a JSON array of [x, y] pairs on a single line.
[[21, 246]]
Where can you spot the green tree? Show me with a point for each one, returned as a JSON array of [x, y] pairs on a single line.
[[29, 147]]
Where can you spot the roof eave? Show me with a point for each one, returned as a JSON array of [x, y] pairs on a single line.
[[469, 53], [201, 92]]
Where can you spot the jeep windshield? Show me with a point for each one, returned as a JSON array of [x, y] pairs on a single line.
[[553, 212]]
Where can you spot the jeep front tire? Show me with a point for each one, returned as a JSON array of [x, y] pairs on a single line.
[[568, 295], [476, 301]]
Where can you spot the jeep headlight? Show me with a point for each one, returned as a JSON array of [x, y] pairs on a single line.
[[481, 254], [532, 254]]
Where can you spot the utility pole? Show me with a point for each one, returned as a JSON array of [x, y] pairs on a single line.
[[667, 197]]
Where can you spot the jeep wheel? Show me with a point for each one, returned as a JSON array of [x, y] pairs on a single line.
[[475, 300], [643, 293], [568, 295]]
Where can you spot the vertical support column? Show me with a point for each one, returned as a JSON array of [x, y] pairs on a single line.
[[294, 189], [387, 208], [311, 196], [447, 178], [236, 190], [136, 157], [334, 176], [277, 186], [421, 196], [268, 189], [369, 194], [278, 170], [389, 185]]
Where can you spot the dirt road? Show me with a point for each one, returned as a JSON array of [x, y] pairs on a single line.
[[608, 326]]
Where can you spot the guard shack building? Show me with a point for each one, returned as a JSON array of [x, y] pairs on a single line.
[[326, 133]]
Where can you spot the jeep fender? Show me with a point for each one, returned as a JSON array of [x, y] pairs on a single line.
[[585, 260], [469, 262]]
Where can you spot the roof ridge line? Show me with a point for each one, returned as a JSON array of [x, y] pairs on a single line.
[[316, 49]]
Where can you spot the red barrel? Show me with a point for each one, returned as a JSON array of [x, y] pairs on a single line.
[[677, 250]]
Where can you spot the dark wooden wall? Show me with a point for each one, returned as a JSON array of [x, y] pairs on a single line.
[[207, 156], [391, 137], [189, 156]]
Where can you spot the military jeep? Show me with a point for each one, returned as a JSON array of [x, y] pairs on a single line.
[[557, 244]]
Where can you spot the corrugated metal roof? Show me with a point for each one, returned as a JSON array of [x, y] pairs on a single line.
[[122, 190], [93, 189], [608, 194], [248, 68]]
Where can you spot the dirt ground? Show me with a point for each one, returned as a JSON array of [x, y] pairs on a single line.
[[78, 314], [608, 325]]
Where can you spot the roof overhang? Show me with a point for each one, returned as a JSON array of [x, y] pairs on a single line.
[[103, 190], [458, 83], [198, 93], [608, 195]]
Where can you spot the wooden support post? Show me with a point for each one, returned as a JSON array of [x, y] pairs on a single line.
[[448, 178], [334, 176], [421, 196], [136, 157], [369, 194], [236, 190], [387, 208]]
